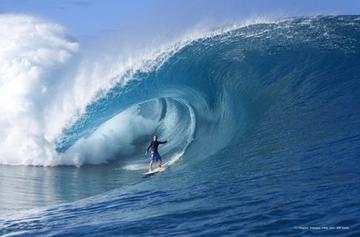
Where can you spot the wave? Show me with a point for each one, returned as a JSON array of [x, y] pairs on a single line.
[[206, 92], [258, 117]]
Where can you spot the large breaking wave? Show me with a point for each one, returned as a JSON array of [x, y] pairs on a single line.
[[265, 115], [203, 93]]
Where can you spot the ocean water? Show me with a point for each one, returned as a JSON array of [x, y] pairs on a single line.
[[262, 119]]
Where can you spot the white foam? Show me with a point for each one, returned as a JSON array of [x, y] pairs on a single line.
[[135, 167], [112, 139], [45, 87], [31, 51]]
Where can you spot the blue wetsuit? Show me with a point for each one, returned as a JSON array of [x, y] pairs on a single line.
[[153, 147]]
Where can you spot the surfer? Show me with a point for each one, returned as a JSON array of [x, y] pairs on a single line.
[[155, 156]]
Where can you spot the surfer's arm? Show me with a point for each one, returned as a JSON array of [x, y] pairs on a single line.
[[163, 142]]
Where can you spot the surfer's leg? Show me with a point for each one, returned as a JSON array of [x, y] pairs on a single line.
[[160, 160], [150, 165]]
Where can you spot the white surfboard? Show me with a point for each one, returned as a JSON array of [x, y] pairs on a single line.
[[164, 166], [154, 171]]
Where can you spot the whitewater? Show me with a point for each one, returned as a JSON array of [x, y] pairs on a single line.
[[262, 119]]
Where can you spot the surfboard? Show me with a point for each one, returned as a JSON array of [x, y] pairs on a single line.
[[154, 171]]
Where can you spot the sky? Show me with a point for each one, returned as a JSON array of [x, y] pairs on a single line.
[[87, 18]]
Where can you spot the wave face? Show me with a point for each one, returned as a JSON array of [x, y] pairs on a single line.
[[265, 116], [285, 85]]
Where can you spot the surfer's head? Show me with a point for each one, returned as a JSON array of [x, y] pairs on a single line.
[[155, 138]]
